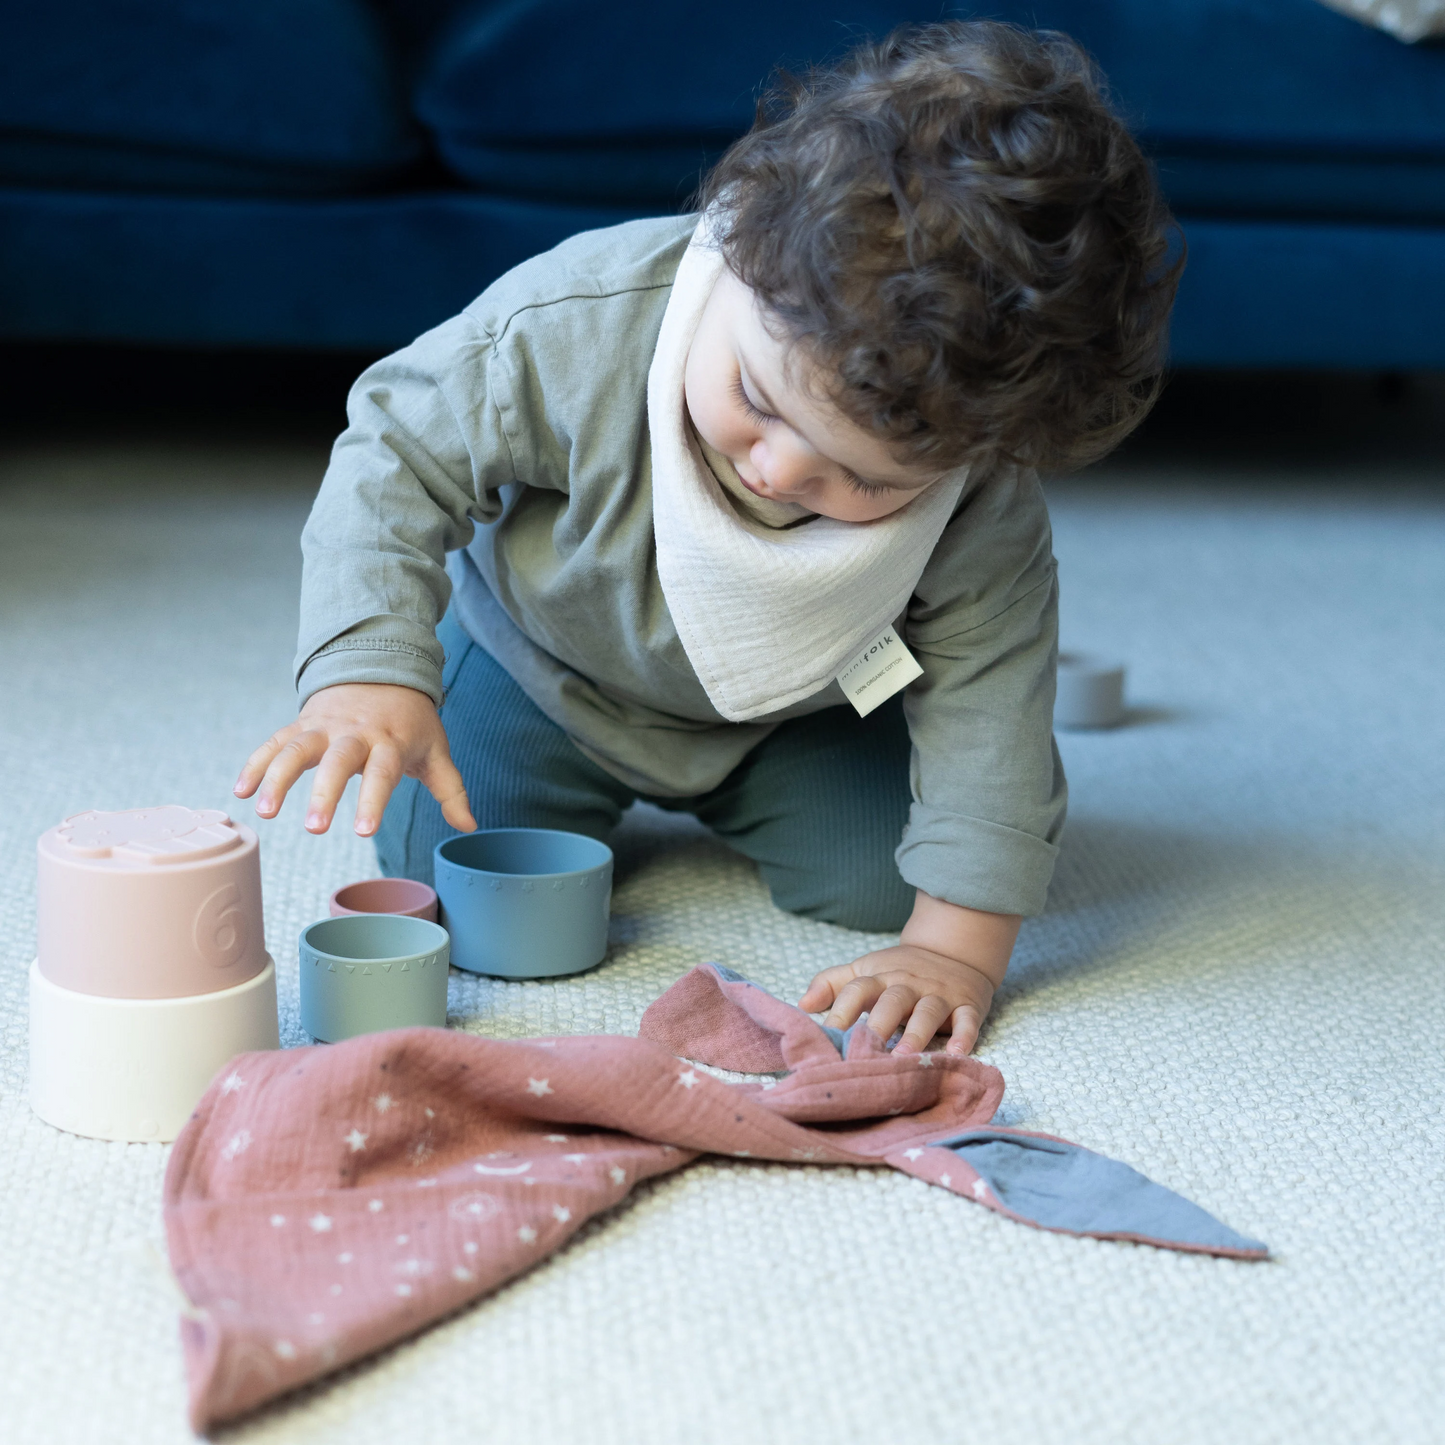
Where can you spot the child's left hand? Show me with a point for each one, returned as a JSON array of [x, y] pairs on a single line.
[[942, 974]]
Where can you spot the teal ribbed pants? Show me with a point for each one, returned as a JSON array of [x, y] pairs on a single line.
[[819, 805]]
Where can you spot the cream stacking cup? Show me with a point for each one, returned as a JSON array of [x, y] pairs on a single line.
[[152, 968]]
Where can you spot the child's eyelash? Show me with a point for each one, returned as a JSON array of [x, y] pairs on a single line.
[[745, 402], [853, 480]]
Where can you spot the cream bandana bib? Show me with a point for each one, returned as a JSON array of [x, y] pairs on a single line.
[[767, 617]]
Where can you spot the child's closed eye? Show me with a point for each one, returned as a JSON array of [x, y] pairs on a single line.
[[867, 489], [746, 402], [756, 414]]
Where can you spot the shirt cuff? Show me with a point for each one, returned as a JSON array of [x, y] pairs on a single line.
[[375, 659], [974, 863]]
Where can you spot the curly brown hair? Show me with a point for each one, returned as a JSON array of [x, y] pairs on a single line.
[[964, 237]]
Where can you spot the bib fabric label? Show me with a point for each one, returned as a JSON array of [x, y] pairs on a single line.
[[884, 667]]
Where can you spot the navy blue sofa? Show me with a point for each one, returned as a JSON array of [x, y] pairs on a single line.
[[344, 174]]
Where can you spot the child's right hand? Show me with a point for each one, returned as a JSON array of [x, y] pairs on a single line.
[[380, 730]]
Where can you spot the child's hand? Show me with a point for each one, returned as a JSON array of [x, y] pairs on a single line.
[[382, 731], [943, 973], [894, 984]]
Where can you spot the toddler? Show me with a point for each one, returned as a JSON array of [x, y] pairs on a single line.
[[738, 513]]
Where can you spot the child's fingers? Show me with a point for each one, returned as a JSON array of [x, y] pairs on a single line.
[[824, 988], [443, 781], [967, 1020], [925, 1021], [302, 751], [890, 1008], [256, 765], [855, 997], [346, 755], [383, 771]]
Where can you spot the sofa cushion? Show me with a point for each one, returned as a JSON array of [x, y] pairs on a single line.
[[272, 94], [1251, 73], [1407, 20], [374, 271], [364, 271], [630, 100], [1274, 107]]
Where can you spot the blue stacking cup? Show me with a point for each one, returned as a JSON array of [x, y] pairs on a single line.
[[371, 971], [525, 902]]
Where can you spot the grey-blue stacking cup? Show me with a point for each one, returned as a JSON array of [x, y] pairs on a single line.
[[525, 902], [372, 971]]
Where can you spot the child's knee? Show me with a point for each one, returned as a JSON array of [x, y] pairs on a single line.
[[869, 904]]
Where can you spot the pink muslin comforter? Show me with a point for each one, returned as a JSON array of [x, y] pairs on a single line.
[[324, 1202]]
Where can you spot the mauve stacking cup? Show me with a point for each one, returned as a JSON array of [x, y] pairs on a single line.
[[152, 969], [525, 902], [385, 895]]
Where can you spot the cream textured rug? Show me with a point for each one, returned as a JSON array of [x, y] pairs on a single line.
[[1237, 988]]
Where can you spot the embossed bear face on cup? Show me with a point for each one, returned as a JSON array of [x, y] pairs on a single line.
[[160, 902]]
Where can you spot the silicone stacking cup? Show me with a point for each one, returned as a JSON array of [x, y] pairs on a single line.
[[1090, 692], [371, 971], [150, 903], [133, 1069], [385, 895], [152, 970], [525, 902]]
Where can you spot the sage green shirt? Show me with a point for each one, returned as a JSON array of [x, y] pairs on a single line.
[[502, 461]]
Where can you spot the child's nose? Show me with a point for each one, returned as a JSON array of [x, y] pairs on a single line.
[[784, 469]]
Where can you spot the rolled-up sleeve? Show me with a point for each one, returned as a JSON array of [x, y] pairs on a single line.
[[989, 794], [422, 459]]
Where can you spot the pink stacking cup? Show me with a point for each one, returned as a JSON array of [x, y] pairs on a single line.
[[385, 895], [150, 903], [152, 972]]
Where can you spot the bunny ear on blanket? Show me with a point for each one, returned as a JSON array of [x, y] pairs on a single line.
[[716, 1016], [1055, 1185]]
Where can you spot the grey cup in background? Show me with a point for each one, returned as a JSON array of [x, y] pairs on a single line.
[[1090, 692]]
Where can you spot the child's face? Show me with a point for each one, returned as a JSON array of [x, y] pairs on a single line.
[[749, 397]]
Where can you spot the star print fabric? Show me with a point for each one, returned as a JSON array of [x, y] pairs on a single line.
[[325, 1202]]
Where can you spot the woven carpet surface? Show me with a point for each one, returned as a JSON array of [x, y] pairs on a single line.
[[1237, 988]]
